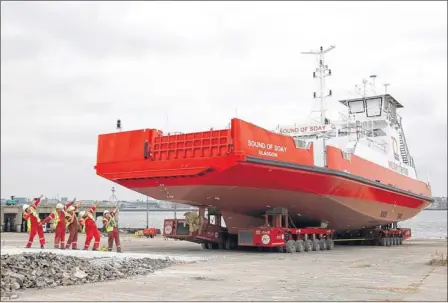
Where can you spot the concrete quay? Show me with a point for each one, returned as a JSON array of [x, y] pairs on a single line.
[[347, 273]]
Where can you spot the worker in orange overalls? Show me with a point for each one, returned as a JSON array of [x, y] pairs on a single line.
[[32, 218], [89, 226], [72, 224], [110, 223], [59, 224]]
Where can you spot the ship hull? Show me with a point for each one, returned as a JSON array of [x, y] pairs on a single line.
[[246, 170], [247, 190]]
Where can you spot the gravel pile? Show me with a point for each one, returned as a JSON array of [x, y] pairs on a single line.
[[41, 270]]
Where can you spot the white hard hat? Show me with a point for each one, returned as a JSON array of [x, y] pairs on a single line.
[[59, 205], [105, 212], [82, 213], [70, 208], [25, 206]]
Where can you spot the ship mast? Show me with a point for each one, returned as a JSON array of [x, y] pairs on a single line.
[[321, 72]]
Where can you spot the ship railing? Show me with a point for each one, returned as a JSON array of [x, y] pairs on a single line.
[[394, 118], [378, 143]]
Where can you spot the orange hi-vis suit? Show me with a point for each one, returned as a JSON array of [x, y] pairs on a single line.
[[72, 223], [33, 224], [89, 223], [111, 226], [59, 225]]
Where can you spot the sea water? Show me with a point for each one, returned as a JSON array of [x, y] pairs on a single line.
[[429, 224]]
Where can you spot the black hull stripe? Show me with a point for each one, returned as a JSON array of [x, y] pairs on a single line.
[[333, 172]]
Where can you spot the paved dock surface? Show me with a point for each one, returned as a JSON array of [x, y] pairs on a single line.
[[347, 273]]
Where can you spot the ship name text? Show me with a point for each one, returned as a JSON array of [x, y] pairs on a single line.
[[398, 168], [304, 129], [267, 149]]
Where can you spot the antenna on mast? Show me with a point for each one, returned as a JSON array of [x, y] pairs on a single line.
[[321, 72], [364, 82], [119, 125], [385, 87], [372, 84]]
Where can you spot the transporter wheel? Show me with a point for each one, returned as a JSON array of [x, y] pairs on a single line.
[[330, 244], [308, 245], [230, 244], [323, 244], [221, 245], [210, 245], [300, 247], [281, 249], [291, 246], [204, 246], [316, 245], [227, 243]]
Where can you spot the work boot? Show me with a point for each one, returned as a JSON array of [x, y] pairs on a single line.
[[74, 248], [42, 247], [27, 246], [94, 249]]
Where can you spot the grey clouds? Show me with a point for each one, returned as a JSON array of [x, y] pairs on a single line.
[[70, 69]]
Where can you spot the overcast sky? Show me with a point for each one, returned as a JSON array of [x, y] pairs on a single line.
[[69, 70]]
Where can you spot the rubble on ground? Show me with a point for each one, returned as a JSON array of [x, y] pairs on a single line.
[[46, 269], [439, 261]]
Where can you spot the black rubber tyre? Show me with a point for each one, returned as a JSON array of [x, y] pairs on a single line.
[[204, 246], [221, 245], [330, 244], [210, 245], [300, 247], [323, 244], [291, 246], [281, 249], [316, 245], [308, 245], [228, 243], [234, 244]]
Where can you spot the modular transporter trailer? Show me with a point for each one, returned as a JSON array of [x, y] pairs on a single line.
[[277, 235]]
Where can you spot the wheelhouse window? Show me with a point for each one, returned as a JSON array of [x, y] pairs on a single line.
[[374, 107], [356, 107]]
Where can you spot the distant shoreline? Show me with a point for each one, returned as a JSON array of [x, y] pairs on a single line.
[[156, 209]]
